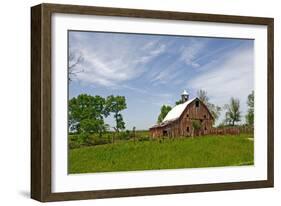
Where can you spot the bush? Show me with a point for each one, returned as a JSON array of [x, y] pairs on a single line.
[[196, 125], [97, 140], [124, 135], [87, 139], [84, 138], [73, 142], [143, 138]]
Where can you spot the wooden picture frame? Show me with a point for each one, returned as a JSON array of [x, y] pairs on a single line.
[[41, 173]]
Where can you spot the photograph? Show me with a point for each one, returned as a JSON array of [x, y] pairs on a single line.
[[134, 102], [154, 101]]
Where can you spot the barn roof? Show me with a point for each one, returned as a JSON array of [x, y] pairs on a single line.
[[162, 124], [177, 111]]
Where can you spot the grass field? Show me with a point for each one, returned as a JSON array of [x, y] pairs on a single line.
[[207, 151]]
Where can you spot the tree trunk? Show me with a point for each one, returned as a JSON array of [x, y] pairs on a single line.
[[134, 135], [113, 138]]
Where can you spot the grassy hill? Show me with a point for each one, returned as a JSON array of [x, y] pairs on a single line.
[[207, 151]]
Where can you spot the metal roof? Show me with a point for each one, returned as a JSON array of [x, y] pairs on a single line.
[[177, 111], [162, 124]]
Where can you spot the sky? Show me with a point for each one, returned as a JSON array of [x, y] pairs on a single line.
[[153, 70]]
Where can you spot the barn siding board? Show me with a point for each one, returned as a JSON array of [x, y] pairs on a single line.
[[179, 127]]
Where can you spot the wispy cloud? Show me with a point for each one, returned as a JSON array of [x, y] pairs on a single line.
[[190, 52], [185, 58], [231, 76], [151, 53], [146, 92], [111, 63], [216, 51]]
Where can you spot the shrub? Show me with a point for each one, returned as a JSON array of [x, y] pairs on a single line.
[[83, 138], [123, 135], [144, 138], [73, 142], [97, 140], [196, 125]]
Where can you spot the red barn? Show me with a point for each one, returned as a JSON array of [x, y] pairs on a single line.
[[183, 118]]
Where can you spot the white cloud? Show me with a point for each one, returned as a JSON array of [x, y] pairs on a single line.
[[167, 76], [231, 76], [99, 70], [157, 50], [190, 53], [111, 62], [147, 92], [188, 56]]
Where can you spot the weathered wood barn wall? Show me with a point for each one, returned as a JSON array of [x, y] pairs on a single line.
[[182, 126]]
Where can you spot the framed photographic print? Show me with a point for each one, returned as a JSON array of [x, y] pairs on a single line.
[[130, 102]]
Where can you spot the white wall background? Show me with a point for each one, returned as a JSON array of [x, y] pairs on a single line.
[[15, 102]]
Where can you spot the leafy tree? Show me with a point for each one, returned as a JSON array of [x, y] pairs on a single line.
[[163, 112], [250, 114], [115, 104], [233, 113], [120, 124], [178, 102], [196, 125], [214, 109], [90, 126], [86, 113]]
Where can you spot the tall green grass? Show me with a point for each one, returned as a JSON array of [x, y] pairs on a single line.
[[205, 151]]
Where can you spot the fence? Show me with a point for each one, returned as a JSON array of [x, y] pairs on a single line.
[[231, 130]]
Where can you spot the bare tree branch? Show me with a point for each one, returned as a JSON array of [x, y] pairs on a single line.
[[73, 63]]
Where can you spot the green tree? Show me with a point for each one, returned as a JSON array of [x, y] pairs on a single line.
[[250, 114], [115, 104], [196, 125], [178, 102], [90, 126], [86, 114], [163, 112], [214, 109], [233, 113]]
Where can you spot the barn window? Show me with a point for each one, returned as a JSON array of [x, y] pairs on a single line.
[[187, 115], [205, 128], [187, 129], [205, 116], [197, 103], [165, 133]]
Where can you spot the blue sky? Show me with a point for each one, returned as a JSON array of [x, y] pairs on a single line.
[[152, 70]]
